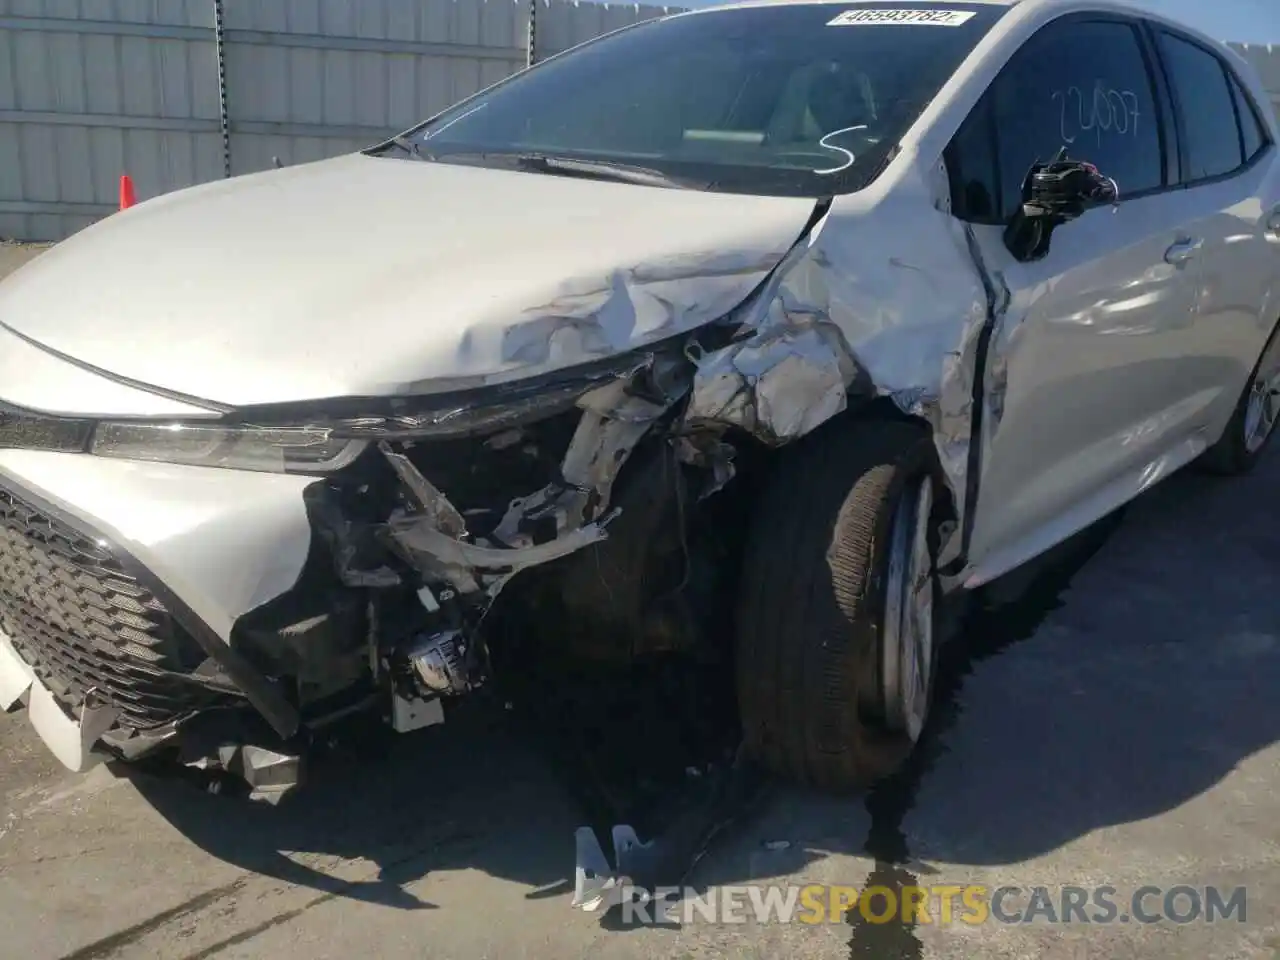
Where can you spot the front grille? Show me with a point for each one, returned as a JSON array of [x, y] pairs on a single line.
[[82, 622]]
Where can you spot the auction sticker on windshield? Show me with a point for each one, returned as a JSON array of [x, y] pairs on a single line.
[[924, 18]]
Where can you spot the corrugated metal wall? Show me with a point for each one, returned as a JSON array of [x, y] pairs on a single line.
[[93, 88], [309, 79], [89, 88]]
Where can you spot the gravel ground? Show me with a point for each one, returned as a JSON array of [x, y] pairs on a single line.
[[1115, 724]]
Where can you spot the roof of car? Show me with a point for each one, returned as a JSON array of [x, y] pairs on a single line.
[[742, 4], [730, 4], [1028, 8], [1133, 7], [1126, 6]]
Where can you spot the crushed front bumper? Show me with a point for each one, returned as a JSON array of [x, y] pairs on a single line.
[[120, 583], [154, 593], [70, 740]]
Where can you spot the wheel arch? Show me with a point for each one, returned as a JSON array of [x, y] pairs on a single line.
[[867, 411]]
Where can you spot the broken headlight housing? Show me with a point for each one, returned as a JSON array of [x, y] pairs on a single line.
[[323, 444], [239, 447], [328, 443], [475, 411], [325, 437], [461, 419]]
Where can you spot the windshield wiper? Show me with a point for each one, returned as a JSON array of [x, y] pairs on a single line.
[[556, 165], [599, 170], [410, 147]]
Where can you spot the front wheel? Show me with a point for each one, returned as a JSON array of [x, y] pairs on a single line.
[[836, 621]]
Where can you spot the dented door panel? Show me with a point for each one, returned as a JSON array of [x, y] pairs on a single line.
[[1093, 363]]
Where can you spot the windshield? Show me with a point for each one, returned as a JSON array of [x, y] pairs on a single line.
[[802, 99]]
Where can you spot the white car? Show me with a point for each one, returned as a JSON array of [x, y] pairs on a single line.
[[745, 336]]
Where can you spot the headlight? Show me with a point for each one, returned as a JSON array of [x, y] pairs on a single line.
[[322, 438], [321, 447], [469, 412], [265, 449], [460, 419]]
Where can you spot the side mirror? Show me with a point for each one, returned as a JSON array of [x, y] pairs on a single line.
[[1053, 194]]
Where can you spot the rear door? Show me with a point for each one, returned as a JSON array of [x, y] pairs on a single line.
[[1231, 200], [1085, 372]]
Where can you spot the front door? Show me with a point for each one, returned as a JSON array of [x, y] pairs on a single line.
[[1085, 405]]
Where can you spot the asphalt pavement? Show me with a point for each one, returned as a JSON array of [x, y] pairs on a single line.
[[1112, 723]]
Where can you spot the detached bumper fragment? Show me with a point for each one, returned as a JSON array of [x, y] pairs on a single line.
[[713, 802], [70, 740]]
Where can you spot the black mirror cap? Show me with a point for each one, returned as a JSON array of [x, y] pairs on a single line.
[[1052, 194]]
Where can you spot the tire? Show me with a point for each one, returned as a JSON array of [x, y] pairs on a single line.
[[815, 602], [1240, 447]]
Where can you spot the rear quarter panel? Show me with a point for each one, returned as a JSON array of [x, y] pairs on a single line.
[[1269, 189]]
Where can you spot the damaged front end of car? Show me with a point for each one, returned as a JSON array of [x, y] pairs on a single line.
[[447, 506], [576, 483], [590, 516]]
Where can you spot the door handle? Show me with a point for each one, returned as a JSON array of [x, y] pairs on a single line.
[[1183, 252]]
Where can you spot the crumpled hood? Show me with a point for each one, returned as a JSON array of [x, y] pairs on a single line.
[[365, 276]]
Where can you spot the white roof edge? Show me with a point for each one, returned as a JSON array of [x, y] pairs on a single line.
[[737, 4]]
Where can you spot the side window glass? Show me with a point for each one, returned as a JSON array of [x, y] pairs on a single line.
[[1208, 114], [1250, 126], [1085, 86], [971, 168]]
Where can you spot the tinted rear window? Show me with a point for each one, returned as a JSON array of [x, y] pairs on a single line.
[[1208, 109]]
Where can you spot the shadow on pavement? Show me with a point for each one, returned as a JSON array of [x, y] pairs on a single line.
[[462, 796], [1123, 676], [1141, 692]]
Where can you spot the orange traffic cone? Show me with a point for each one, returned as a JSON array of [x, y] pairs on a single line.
[[127, 198]]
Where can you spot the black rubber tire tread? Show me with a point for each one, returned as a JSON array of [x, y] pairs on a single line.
[[1229, 457], [607, 585], [812, 599]]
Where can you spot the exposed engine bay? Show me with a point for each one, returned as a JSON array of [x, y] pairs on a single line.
[[593, 516], [593, 525], [600, 536]]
